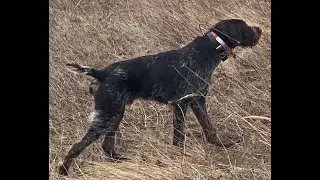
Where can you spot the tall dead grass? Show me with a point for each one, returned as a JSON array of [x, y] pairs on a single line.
[[98, 33]]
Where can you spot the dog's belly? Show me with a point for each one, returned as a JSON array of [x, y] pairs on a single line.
[[171, 91]]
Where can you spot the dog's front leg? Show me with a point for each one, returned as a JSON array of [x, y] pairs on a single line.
[[179, 112], [199, 109]]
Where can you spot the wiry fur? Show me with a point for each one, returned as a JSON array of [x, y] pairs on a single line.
[[177, 77]]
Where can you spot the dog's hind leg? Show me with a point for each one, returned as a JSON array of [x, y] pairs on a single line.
[[179, 112], [109, 139], [199, 109], [96, 129], [109, 110]]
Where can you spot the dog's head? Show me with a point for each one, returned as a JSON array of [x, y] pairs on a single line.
[[236, 32]]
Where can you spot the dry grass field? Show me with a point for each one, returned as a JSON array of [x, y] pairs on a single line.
[[99, 32]]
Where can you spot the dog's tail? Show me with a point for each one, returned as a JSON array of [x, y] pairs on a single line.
[[86, 70]]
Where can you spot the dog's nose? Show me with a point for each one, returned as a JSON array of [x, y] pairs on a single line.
[[258, 29]]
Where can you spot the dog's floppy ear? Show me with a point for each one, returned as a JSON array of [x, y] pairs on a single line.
[[232, 31]]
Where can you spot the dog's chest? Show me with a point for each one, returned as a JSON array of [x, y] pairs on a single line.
[[194, 78]]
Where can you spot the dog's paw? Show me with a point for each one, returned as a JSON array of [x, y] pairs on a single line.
[[62, 171], [224, 140], [115, 156], [179, 142]]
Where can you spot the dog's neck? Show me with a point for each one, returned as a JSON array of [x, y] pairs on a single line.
[[223, 49], [213, 45], [210, 47]]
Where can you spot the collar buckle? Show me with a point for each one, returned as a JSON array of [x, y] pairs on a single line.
[[222, 52], [223, 48]]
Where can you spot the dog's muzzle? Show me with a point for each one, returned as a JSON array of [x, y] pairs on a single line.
[[257, 33]]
